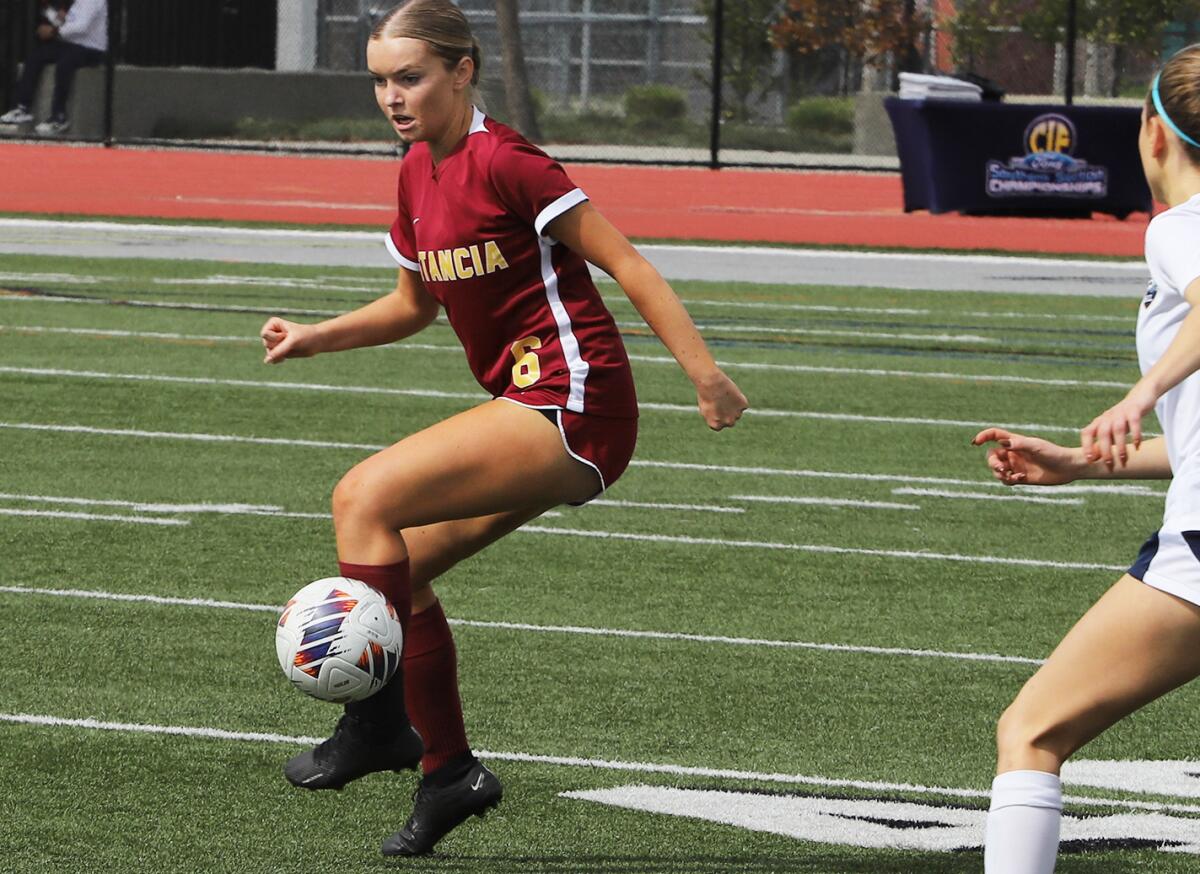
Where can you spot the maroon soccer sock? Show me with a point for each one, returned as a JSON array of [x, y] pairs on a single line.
[[391, 579], [431, 688]]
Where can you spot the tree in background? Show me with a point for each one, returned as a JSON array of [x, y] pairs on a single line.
[[1126, 26], [881, 33], [517, 94], [1116, 22], [747, 55], [976, 28]]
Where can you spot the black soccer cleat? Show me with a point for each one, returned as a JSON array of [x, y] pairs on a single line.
[[355, 749], [439, 809]]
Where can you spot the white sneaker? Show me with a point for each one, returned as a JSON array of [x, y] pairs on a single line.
[[53, 128], [20, 115]]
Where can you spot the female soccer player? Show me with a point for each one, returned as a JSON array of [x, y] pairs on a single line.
[[1142, 638], [493, 231]]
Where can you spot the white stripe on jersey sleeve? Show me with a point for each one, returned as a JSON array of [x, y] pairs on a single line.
[[400, 259], [566, 336], [574, 197]]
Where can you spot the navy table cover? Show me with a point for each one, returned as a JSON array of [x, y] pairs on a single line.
[[1018, 159]]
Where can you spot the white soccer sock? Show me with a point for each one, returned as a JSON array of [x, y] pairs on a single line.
[[1023, 823]]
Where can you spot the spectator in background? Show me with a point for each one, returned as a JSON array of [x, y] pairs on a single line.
[[70, 35]]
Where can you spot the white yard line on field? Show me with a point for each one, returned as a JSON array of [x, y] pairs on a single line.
[[214, 509], [987, 496], [826, 502], [479, 397], [586, 631], [21, 297], [335, 283], [621, 300], [18, 297], [229, 509], [138, 335], [551, 629], [205, 732], [61, 278], [829, 332], [1097, 488], [649, 538], [902, 374], [276, 282], [92, 517], [770, 472], [974, 424], [243, 383], [1129, 320], [1127, 488], [180, 435], [821, 548], [653, 505], [642, 359]]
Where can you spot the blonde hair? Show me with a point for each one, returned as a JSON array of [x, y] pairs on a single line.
[[439, 23], [1180, 96]]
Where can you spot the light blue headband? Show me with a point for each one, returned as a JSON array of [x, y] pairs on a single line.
[[1162, 113]]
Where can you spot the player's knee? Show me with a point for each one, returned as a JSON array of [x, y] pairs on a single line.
[[1012, 732], [1026, 737], [356, 500]]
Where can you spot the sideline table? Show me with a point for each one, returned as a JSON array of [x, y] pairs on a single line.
[[1018, 158]]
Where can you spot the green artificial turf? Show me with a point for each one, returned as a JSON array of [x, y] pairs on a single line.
[[843, 382]]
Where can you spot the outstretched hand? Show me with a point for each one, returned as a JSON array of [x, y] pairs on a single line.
[[1020, 460], [284, 339], [1104, 437], [721, 401]]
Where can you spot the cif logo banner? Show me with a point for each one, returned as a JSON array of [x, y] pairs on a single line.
[[1049, 167]]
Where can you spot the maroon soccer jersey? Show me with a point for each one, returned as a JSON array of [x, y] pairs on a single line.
[[523, 305]]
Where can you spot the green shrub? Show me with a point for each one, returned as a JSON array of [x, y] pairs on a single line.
[[583, 127], [654, 107], [829, 115], [338, 130], [770, 138], [187, 128], [250, 128], [347, 130]]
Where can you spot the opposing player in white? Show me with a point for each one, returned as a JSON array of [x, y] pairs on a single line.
[[1142, 638]]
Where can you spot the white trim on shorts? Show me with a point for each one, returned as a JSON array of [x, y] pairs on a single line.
[[563, 434]]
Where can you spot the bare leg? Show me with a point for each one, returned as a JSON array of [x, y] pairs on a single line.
[[434, 549], [417, 508], [1134, 645], [491, 461]]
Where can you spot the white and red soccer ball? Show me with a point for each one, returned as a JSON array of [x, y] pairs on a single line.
[[338, 640]]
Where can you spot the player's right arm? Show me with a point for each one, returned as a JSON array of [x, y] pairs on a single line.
[[1016, 459], [404, 312]]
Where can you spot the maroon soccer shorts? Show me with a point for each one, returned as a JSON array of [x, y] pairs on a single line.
[[601, 442]]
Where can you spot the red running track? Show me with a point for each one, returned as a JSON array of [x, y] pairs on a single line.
[[846, 209]]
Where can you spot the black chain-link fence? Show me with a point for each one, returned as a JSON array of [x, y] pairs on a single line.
[[801, 82]]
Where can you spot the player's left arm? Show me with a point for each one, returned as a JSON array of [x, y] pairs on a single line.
[[585, 231], [1104, 438]]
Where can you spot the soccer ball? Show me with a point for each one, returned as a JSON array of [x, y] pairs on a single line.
[[338, 640]]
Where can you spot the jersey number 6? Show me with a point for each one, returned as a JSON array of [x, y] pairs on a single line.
[[528, 369]]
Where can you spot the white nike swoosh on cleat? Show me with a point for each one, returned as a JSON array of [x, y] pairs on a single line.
[[477, 784]]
